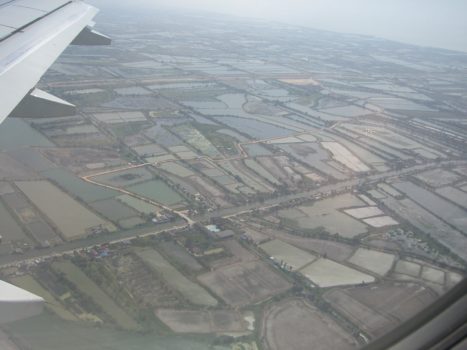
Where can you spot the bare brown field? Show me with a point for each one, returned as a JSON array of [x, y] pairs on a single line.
[[142, 282], [311, 328], [238, 254], [245, 283], [377, 310]]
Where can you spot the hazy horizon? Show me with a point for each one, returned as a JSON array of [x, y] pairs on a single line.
[[420, 22]]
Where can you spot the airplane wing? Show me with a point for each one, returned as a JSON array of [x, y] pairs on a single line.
[[33, 33], [16, 303]]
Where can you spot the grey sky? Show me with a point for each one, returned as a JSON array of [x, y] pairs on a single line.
[[438, 23]]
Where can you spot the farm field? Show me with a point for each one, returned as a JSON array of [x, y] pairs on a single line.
[[254, 182], [157, 191], [145, 286], [366, 212], [315, 157], [291, 256], [431, 225], [433, 275], [259, 169], [381, 221], [438, 177], [327, 273], [27, 282], [176, 169], [408, 268], [71, 218], [232, 184], [120, 117], [77, 187], [205, 322], [373, 260], [138, 205], [310, 326], [435, 204], [10, 230], [46, 332], [190, 290], [389, 189], [244, 283], [334, 250], [125, 178], [180, 256], [113, 209], [454, 195], [12, 127], [149, 150], [196, 139], [379, 309], [88, 287], [12, 169], [344, 156], [326, 214]]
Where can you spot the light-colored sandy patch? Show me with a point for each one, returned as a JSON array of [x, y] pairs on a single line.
[[366, 212], [433, 275], [300, 82], [307, 138], [327, 273], [288, 254], [381, 221], [284, 140], [408, 268], [373, 260], [367, 200], [344, 156]]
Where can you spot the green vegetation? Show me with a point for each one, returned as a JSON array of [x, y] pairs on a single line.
[[195, 138], [28, 283], [47, 332], [226, 144], [190, 290], [88, 287], [158, 191], [122, 130]]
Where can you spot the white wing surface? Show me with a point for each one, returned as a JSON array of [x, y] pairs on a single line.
[[33, 33]]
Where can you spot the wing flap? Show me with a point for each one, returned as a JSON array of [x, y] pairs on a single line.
[[44, 5], [17, 17]]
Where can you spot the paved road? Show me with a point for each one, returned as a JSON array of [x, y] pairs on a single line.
[[230, 212]]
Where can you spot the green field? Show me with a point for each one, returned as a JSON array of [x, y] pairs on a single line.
[[88, 287], [28, 283], [46, 332], [77, 187], [138, 204], [71, 218], [158, 191], [16, 133], [192, 136], [190, 290]]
